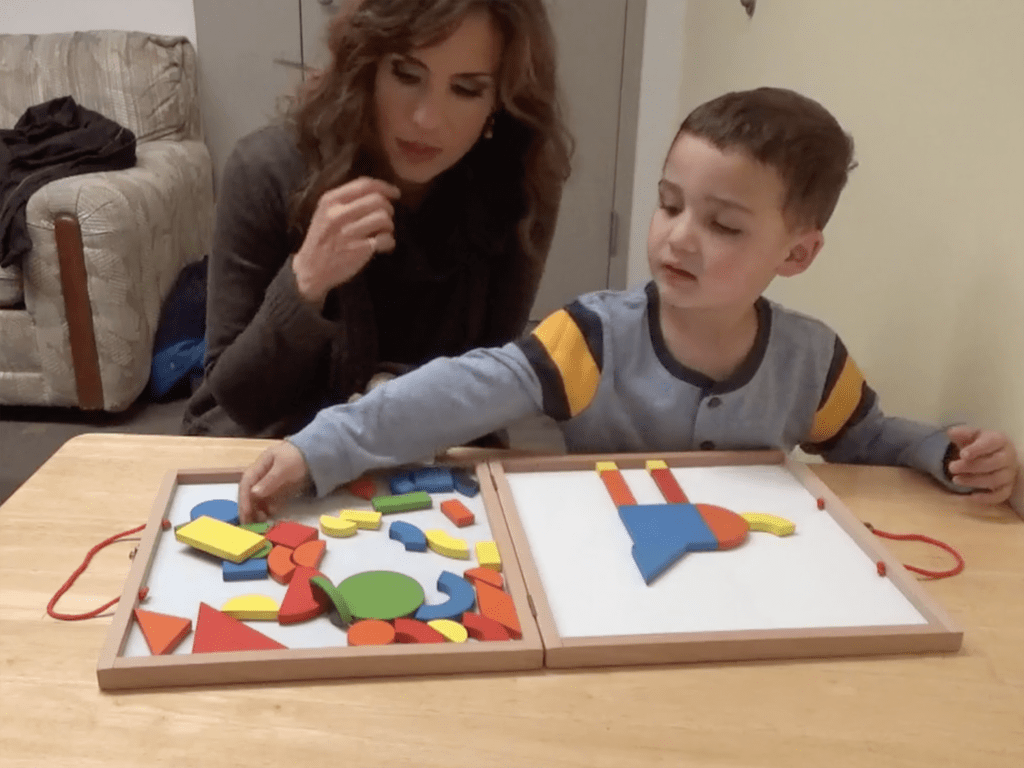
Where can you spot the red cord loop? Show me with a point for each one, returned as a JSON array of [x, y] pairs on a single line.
[[927, 540], [78, 572]]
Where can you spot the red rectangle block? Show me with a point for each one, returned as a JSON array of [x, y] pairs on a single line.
[[668, 485]]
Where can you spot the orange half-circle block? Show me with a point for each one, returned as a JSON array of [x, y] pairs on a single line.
[[488, 575], [412, 631], [310, 553], [280, 564], [497, 604], [729, 528], [482, 628], [371, 632], [163, 632]]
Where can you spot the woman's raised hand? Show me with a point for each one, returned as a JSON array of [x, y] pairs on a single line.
[[349, 225]]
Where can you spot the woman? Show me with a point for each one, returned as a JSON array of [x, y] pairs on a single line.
[[403, 211]]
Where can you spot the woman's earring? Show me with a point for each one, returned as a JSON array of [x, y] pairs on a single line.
[[489, 127]]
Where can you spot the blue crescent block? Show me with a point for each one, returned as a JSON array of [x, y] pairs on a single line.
[[219, 509], [401, 484], [465, 483], [461, 598], [433, 479], [663, 533], [407, 533], [249, 570]]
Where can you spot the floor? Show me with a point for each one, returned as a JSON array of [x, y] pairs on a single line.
[[30, 435]]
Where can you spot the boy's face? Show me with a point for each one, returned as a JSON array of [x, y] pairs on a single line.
[[719, 236]]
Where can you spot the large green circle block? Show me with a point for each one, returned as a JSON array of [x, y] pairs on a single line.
[[381, 594]]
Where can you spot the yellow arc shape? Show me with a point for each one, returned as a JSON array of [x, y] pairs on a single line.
[[447, 545], [251, 608], [762, 521], [337, 526], [453, 631]]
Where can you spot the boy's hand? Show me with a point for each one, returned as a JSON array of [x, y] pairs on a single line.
[[987, 462], [277, 475]]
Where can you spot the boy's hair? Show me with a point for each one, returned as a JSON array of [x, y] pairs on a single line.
[[789, 132]]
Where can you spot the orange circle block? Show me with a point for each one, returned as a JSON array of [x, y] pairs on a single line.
[[729, 528], [371, 632]]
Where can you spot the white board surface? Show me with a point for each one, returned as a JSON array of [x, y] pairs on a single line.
[[817, 577]]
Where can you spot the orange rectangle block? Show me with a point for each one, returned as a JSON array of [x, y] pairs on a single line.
[[617, 488], [669, 486]]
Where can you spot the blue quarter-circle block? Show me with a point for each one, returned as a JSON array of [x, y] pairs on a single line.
[[663, 533], [401, 483], [461, 598], [433, 479], [250, 570], [465, 483], [407, 533], [221, 509]]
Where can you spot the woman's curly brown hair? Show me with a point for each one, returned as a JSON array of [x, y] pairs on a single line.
[[334, 115]]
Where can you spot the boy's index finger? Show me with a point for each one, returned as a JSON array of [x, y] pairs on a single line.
[[985, 444], [962, 435]]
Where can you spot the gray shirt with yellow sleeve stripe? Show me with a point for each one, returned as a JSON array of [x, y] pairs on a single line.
[[601, 369]]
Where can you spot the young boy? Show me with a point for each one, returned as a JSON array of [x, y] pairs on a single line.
[[695, 359]]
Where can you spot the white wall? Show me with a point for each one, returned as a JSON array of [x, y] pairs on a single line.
[[162, 17], [659, 116], [923, 268]]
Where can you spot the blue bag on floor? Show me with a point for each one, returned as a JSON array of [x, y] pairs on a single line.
[[180, 342]]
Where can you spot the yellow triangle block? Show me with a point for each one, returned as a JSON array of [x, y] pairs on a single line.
[[220, 539], [251, 608], [453, 631]]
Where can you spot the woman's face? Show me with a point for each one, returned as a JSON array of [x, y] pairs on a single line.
[[432, 103]]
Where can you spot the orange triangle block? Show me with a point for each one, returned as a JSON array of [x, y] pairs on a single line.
[[216, 631], [497, 604], [162, 632]]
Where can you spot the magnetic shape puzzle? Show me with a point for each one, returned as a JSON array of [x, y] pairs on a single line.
[[381, 594], [163, 632], [409, 535], [224, 510], [216, 631], [461, 598], [762, 521], [251, 608], [220, 539], [445, 544]]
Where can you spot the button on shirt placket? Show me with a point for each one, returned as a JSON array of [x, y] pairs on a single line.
[[710, 404]]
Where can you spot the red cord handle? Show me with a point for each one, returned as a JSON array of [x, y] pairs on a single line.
[[927, 540], [78, 572]]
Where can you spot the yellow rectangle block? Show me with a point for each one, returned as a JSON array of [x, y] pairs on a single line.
[[487, 555], [366, 519], [220, 539], [655, 464], [606, 466]]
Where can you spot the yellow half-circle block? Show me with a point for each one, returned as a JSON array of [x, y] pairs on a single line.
[[366, 519], [251, 608], [336, 526], [761, 521], [606, 466], [444, 544], [453, 631], [487, 555]]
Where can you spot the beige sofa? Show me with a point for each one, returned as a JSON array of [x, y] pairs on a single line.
[[78, 317]]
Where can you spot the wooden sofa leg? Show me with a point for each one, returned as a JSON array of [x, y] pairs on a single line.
[[78, 310]]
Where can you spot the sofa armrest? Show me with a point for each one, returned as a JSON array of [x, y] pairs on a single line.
[[139, 228]]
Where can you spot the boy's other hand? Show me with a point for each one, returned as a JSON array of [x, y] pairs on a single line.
[[277, 475], [987, 463]]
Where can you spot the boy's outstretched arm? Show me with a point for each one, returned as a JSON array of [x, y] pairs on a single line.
[[986, 462]]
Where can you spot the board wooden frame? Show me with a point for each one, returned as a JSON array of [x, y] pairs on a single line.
[[940, 633], [117, 672], [541, 644]]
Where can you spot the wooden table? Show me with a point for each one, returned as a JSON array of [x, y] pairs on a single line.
[[963, 710]]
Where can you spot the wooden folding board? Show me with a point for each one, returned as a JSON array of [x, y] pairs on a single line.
[[580, 598]]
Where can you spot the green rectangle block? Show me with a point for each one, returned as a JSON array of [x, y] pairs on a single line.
[[406, 502]]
